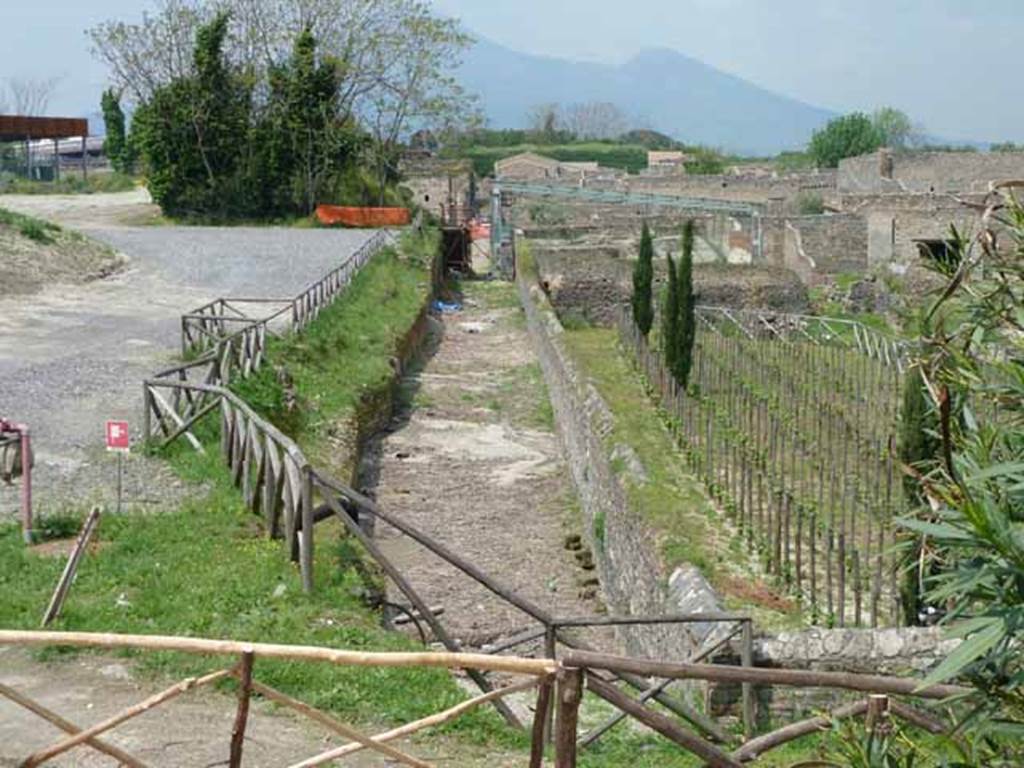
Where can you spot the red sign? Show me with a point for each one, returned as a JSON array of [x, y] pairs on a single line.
[[117, 436]]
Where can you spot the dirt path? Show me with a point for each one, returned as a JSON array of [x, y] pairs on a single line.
[[475, 463], [74, 355], [192, 731]]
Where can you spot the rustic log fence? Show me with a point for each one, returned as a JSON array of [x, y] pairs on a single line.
[[207, 327], [560, 687], [248, 654], [791, 423]]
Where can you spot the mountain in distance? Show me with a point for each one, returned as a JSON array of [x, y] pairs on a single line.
[[661, 88]]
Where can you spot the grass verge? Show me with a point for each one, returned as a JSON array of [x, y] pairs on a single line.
[[342, 363], [71, 184], [40, 231]]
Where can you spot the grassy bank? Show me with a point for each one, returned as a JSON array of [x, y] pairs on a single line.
[[71, 183], [206, 568], [342, 363], [690, 528]]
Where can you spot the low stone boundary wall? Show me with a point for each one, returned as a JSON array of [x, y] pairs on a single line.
[[633, 580], [900, 651]]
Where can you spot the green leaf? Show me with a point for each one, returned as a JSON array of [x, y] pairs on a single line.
[[938, 530], [990, 632]]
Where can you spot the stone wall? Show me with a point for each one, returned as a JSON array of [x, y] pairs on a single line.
[[719, 238], [906, 651], [813, 246], [925, 172], [633, 580], [754, 188], [593, 282], [896, 221]]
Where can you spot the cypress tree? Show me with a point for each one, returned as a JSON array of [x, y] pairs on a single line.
[[687, 321], [643, 280], [670, 320], [918, 447], [114, 145]]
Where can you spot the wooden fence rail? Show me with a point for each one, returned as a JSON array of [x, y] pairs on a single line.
[[243, 671], [560, 684]]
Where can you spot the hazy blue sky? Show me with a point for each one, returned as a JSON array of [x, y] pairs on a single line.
[[952, 64]]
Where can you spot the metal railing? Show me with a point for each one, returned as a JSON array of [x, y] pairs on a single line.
[[840, 332], [591, 195]]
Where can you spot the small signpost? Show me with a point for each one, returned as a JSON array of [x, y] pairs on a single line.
[[118, 441]]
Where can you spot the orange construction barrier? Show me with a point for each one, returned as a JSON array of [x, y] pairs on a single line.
[[353, 216], [480, 230]]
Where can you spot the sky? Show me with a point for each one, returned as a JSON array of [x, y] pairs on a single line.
[[951, 64]]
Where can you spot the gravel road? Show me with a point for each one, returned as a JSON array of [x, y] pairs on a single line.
[[73, 356]]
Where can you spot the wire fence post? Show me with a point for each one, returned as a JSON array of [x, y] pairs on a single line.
[[747, 660]]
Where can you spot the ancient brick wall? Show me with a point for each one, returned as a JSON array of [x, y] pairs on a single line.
[[896, 221], [924, 172], [737, 188], [594, 282], [633, 580], [813, 246]]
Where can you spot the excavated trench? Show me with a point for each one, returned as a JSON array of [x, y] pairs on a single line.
[[471, 459]]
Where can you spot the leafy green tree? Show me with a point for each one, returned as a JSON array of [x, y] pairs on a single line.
[[643, 279], [843, 137], [115, 146], [300, 142], [894, 127], [687, 322], [193, 134]]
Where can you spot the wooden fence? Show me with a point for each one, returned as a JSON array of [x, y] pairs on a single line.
[[807, 470], [560, 688], [214, 324]]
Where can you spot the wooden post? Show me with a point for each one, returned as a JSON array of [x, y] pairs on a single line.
[[569, 695], [27, 522], [747, 660], [306, 535], [242, 714], [85, 159], [877, 712], [550, 651], [540, 721], [74, 557], [56, 160], [147, 413]]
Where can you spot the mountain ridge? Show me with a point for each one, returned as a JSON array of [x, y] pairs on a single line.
[[658, 88]]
